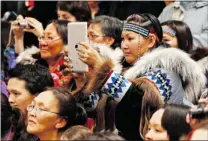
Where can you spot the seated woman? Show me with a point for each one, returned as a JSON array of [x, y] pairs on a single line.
[[49, 117], [168, 123], [51, 52], [73, 11], [151, 76], [178, 35], [105, 30]]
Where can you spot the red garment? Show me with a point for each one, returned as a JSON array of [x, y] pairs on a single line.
[[90, 123], [29, 3], [58, 78]]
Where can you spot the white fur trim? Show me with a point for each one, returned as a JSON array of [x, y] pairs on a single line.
[[204, 64], [114, 55], [25, 57], [172, 59]]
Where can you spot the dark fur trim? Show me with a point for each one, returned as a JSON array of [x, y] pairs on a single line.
[[97, 79]]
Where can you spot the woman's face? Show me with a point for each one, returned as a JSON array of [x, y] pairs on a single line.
[[51, 43], [64, 15], [95, 34], [156, 131], [133, 46], [43, 118], [170, 39]]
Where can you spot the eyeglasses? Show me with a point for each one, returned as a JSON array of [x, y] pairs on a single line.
[[38, 110], [92, 36], [48, 39]]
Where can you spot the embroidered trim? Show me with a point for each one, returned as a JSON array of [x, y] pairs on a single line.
[[136, 28], [169, 31], [116, 86], [161, 81], [90, 101]]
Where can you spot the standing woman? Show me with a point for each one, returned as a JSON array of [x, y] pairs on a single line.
[[49, 118], [136, 96], [135, 43]]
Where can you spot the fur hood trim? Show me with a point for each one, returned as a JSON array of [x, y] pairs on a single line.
[[111, 62], [172, 59], [108, 53], [98, 78], [25, 57], [204, 64]]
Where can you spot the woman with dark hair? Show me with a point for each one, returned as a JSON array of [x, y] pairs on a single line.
[[49, 118], [73, 11], [105, 30], [178, 35], [149, 80], [168, 123], [51, 52]]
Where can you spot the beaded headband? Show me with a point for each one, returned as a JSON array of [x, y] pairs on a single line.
[[136, 28], [169, 31]]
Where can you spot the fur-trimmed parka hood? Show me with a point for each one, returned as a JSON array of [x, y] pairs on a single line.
[[172, 59], [204, 64]]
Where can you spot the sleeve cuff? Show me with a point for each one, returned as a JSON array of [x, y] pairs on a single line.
[[116, 86], [90, 101]]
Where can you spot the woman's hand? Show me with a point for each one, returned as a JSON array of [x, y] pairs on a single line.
[[17, 30], [18, 34], [89, 55], [37, 27]]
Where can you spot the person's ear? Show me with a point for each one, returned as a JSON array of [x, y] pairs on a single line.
[[152, 39], [109, 41], [61, 122]]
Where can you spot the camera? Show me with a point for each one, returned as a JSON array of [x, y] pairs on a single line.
[[23, 24], [199, 113]]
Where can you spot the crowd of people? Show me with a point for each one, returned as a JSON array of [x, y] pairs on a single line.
[[147, 77]]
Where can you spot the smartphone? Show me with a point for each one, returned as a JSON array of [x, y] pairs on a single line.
[[77, 32]]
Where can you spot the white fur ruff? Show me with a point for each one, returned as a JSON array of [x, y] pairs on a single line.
[[115, 55], [172, 59], [204, 64], [25, 57]]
